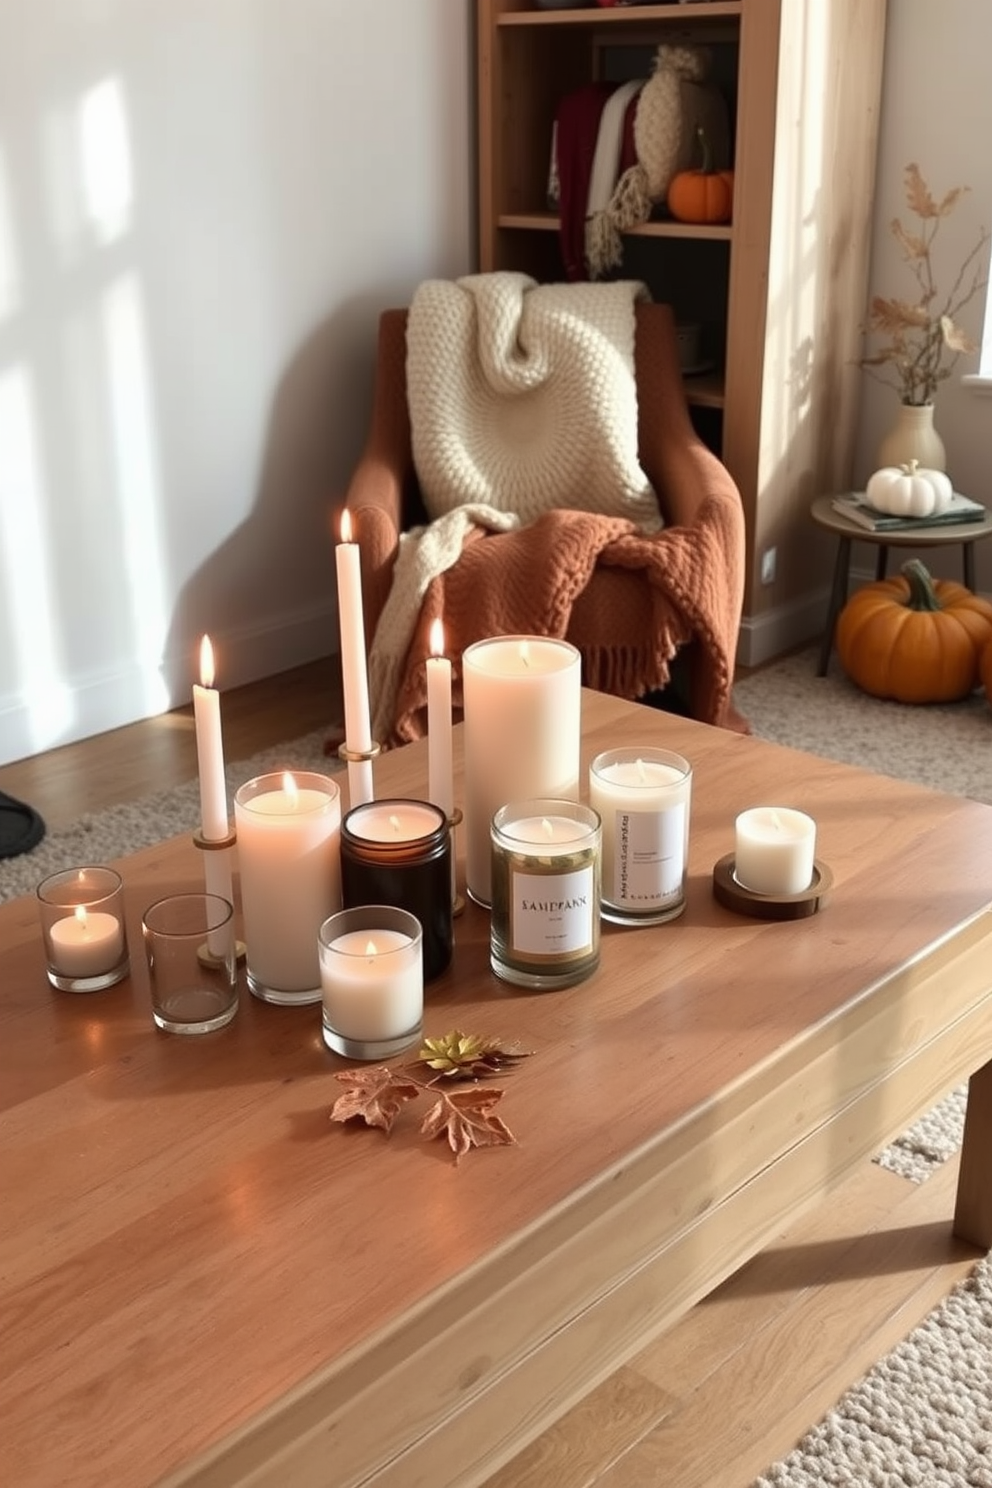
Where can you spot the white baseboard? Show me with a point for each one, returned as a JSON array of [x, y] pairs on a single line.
[[763, 637], [87, 704]]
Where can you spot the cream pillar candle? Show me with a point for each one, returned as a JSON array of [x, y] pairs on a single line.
[[354, 664], [523, 700], [289, 851], [774, 850], [643, 797]]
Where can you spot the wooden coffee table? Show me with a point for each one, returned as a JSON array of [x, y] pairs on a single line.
[[205, 1281]]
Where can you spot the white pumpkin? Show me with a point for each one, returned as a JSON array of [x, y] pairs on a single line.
[[909, 490]]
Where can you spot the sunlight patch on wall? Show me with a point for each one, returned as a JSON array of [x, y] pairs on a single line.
[[27, 588], [10, 277], [138, 486], [107, 192]]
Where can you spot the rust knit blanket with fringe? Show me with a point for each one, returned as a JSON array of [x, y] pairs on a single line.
[[525, 582]]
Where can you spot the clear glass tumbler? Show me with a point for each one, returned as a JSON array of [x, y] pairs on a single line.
[[192, 965]]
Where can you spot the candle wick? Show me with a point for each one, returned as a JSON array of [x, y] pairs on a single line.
[[547, 827], [640, 769], [394, 822]]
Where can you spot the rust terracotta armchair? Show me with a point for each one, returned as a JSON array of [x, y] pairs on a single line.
[[646, 599]]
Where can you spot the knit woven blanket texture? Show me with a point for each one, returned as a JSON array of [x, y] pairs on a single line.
[[522, 401]]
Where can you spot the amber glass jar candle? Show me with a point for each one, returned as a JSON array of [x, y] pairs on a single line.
[[398, 852]]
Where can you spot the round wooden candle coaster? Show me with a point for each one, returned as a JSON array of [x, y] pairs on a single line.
[[732, 895]]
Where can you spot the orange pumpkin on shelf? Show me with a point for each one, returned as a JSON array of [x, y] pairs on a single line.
[[914, 639], [704, 195]]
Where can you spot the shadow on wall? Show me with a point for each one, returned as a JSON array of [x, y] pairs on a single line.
[[266, 596]]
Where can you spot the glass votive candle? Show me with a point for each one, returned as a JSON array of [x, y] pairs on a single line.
[[643, 797], [82, 925], [192, 966], [544, 925], [371, 972], [774, 850], [289, 858], [397, 851]]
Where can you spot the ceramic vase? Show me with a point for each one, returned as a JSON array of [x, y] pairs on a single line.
[[913, 437]]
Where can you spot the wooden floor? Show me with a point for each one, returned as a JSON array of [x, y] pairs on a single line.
[[731, 1388]]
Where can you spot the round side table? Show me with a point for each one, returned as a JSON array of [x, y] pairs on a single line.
[[963, 534]]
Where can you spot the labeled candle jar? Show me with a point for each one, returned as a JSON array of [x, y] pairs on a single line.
[[643, 797], [82, 925], [371, 972], [398, 852], [544, 929], [289, 857]]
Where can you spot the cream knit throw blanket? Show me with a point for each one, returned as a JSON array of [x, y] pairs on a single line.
[[522, 399]]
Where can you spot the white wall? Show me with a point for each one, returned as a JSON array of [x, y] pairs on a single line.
[[204, 204], [937, 111]]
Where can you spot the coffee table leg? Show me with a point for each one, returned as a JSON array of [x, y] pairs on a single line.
[[973, 1209], [838, 598]]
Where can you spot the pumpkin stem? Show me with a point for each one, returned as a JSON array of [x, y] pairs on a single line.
[[910, 467], [706, 169], [922, 595]]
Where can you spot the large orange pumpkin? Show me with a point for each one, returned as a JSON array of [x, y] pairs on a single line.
[[914, 638]]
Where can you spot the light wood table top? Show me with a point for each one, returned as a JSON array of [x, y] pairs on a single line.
[[203, 1279]]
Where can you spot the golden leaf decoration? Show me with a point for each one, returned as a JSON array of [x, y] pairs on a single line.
[[918, 196], [954, 337], [469, 1055]]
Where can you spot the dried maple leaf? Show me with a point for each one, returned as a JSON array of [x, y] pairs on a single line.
[[376, 1096], [469, 1055], [466, 1118]]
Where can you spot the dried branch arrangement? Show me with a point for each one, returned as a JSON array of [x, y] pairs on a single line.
[[922, 337], [466, 1116]]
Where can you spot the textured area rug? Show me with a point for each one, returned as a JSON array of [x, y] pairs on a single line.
[[945, 746], [923, 1415], [137, 824]]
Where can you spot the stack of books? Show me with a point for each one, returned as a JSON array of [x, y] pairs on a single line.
[[962, 509]]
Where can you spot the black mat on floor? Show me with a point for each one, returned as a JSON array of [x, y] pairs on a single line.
[[21, 828]]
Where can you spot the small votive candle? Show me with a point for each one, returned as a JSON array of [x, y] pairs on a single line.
[[82, 923], [371, 973], [774, 850], [544, 925], [397, 851], [642, 795]]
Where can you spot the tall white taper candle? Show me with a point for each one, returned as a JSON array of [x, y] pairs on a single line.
[[354, 667]]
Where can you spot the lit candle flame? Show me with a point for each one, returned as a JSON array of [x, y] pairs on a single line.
[[437, 637], [206, 663], [291, 789], [371, 950], [346, 526], [82, 919], [525, 653]]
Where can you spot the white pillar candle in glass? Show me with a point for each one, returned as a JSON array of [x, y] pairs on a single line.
[[774, 850], [82, 923], [289, 852], [643, 797], [372, 981], [523, 704], [354, 664]]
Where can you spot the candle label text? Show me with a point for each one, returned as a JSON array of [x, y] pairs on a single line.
[[553, 914], [648, 857]]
